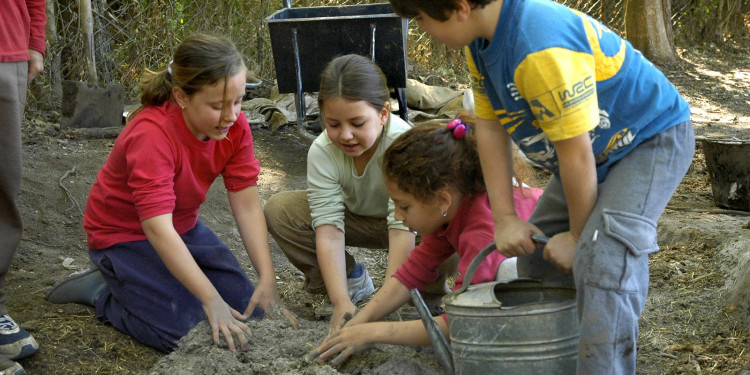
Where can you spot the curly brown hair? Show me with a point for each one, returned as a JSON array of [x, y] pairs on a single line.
[[428, 158]]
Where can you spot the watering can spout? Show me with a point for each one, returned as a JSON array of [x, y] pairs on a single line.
[[433, 331]]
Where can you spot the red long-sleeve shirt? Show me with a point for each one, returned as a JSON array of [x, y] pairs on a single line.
[[157, 166], [22, 28], [470, 231]]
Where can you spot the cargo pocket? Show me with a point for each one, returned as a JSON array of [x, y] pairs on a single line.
[[619, 256]]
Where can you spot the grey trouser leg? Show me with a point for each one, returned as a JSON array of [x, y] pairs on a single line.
[[611, 261], [12, 102], [289, 222]]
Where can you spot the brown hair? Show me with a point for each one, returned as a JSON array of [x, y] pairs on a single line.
[[429, 157], [437, 9], [200, 60], [355, 78]]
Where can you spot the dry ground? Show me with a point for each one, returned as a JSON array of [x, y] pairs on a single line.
[[688, 326]]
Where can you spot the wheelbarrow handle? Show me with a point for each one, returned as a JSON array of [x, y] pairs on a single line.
[[538, 238]]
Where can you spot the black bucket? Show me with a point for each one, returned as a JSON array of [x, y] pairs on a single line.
[[728, 164], [329, 31]]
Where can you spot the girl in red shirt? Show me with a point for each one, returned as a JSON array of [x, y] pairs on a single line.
[[160, 271], [433, 175]]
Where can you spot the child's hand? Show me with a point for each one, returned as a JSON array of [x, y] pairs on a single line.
[[342, 344], [513, 236], [561, 251], [289, 316], [224, 319], [265, 293], [341, 315]]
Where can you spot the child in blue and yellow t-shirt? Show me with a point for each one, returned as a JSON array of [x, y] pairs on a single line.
[[581, 102]]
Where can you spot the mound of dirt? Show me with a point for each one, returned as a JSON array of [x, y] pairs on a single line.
[[277, 348]]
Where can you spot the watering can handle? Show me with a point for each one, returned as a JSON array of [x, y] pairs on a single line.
[[483, 254]]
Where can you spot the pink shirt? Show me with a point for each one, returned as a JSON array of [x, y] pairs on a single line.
[[22, 28], [470, 231], [157, 166]]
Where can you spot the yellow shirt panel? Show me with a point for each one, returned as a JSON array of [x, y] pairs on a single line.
[[560, 86]]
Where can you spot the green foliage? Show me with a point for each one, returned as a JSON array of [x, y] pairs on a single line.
[[138, 34], [712, 20]]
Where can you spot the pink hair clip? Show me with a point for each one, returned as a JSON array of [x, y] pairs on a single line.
[[458, 128]]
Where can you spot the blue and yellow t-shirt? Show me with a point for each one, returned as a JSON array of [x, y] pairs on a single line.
[[551, 73]]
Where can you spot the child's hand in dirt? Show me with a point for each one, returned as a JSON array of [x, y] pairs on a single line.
[[561, 251], [290, 317], [277, 310], [265, 292], [224, 319], [342, 344], [266, 295], [513, 236], [341, 315]]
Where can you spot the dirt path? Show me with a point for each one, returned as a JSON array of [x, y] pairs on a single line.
[[689, 325]]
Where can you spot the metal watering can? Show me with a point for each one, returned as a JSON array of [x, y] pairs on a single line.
[[523, 326]]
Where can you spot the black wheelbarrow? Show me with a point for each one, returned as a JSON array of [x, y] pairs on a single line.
[[305, 39]]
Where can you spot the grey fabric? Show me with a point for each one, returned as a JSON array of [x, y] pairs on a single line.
[[611, 262], [12, 101]]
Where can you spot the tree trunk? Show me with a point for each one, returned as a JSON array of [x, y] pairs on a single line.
[[648, 27]]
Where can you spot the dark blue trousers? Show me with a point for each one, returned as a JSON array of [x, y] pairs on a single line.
[[145, 301]]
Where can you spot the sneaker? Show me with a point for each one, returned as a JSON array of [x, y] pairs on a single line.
[[359, 284], [8, 367], [15, 342], [82, 287]]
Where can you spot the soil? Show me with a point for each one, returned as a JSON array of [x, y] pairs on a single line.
[[694, 321]]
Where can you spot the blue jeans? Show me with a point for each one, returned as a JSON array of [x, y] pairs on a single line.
[[145, 301], [610, 269]]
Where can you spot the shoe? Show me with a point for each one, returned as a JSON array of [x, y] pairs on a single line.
[[15, 342], [82, 287], [359, 284], [8, 367]]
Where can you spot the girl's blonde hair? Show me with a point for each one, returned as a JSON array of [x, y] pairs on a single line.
[[200, 60]]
